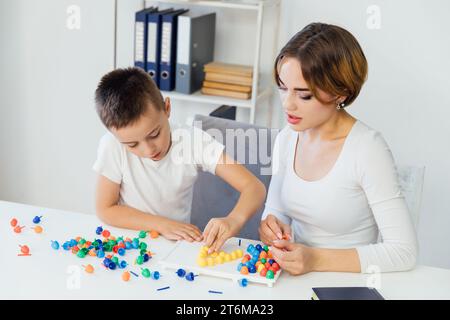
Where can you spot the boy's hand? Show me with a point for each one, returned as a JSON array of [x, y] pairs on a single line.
[[219, 230], [174, 230], [272, 229]]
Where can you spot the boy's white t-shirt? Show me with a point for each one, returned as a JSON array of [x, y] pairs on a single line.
[[163, 187]]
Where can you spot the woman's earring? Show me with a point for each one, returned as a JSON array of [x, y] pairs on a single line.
[[340, 106]]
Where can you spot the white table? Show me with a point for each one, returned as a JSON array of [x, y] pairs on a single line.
[[50, 274]]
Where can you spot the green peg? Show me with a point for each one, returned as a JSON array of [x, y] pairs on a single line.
[[140, 260], [142, 234], [146, 273]]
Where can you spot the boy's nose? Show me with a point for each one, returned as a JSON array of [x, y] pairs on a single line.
[[148, 150]]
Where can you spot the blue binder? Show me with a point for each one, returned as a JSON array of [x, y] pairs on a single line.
[[154, 20], [140, 37], [168, 50]]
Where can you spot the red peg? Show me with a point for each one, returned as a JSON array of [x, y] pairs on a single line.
[[18, 229]]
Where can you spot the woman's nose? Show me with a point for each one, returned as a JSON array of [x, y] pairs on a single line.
[[288, 103]]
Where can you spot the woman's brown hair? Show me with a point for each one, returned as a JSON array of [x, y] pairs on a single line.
[[331, 59]]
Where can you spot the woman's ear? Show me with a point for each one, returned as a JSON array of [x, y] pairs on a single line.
[[340, 99], [167, 107]]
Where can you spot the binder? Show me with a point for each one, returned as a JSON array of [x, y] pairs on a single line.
[[168, 50], [195, 48], [140, 37], [154, 20]]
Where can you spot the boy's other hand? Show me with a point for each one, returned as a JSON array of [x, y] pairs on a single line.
[[219, 230], [272, 229], [175, 230]]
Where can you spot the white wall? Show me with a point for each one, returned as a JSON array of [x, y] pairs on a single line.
[[49, 130], [406, 96], [48, 127]]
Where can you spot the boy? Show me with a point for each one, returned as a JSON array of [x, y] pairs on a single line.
[[142, 184]]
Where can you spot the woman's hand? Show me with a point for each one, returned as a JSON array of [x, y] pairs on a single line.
[[272, 229], [174, 230], [294, 258], [219, 230]]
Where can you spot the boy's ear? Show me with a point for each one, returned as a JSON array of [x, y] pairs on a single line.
[[167, 107]]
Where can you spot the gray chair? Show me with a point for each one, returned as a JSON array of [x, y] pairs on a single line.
[[411, 180], [215, 198]]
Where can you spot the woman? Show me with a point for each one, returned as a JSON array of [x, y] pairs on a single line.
[[334, 187]]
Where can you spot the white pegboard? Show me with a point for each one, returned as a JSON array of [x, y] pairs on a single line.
[[184, 255]]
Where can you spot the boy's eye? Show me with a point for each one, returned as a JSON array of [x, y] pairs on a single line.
[[132, 145], [155, 135]]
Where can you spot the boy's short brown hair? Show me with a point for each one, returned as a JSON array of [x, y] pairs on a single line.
[[123, 95], [331, 59]]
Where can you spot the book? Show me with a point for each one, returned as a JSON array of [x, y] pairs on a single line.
[[226, 93], [226, 86], [228, 78], [346, 293], [231, 69]]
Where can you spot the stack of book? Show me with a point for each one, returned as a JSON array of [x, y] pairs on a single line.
[[228, 80]]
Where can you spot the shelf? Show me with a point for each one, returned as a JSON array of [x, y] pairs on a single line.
[[223, 4], [258, 7], [216, 100]]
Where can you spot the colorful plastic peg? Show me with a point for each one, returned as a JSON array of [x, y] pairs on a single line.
[[140, 260], [55, 245], [190, 276], [37, 219], [25, 251], [106, 233], [142, 234], [99, 230], [243, 282], [13, 222], [18, 229], [155, 275], [38, 229], [89, 268], [181, 273], [126, 276], [154, 234], [146, 273]]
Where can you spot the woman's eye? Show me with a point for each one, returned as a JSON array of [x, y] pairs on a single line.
[[305, 97]]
